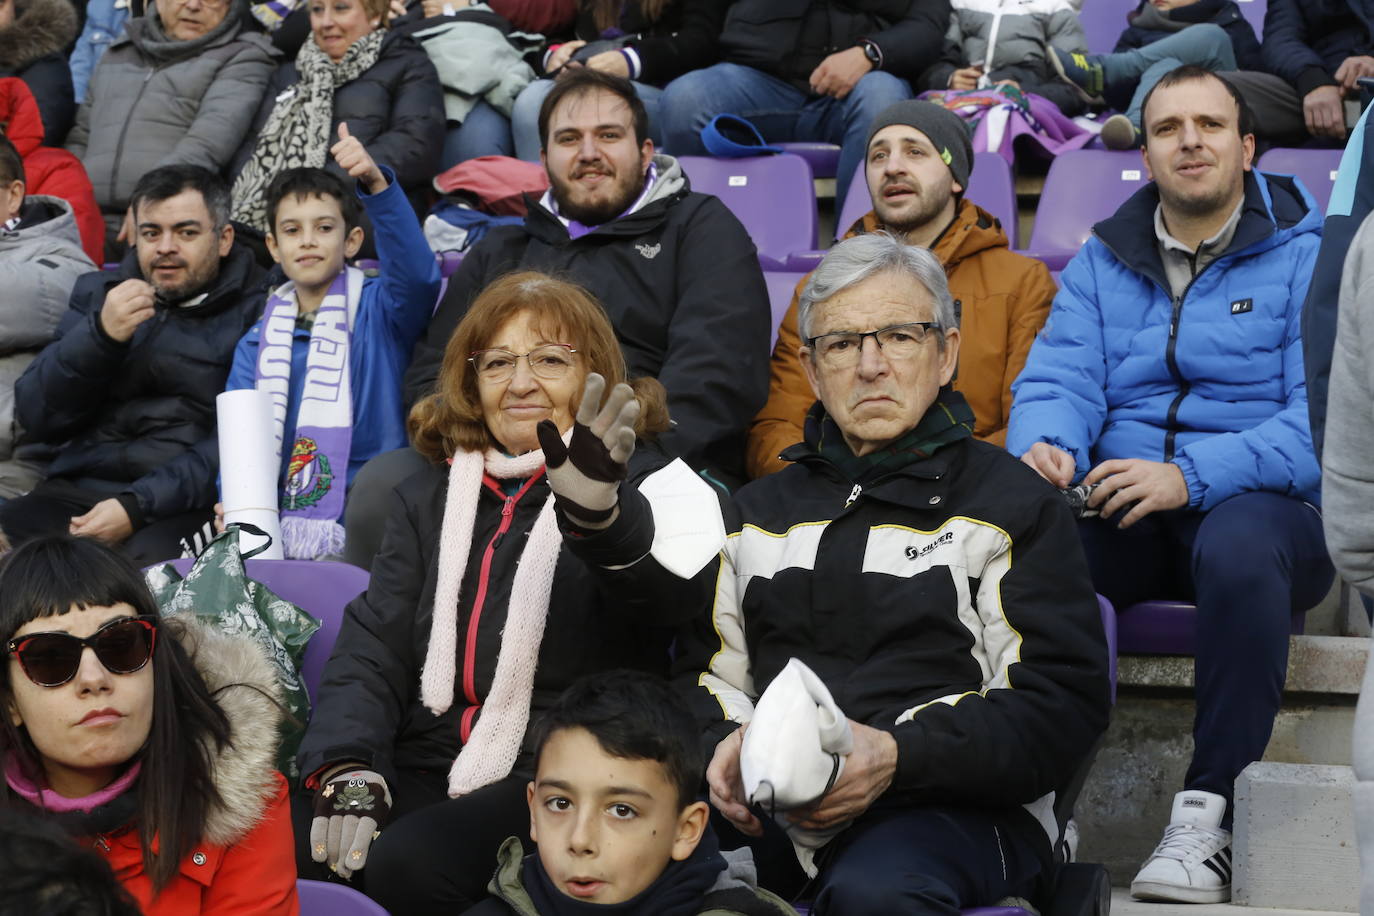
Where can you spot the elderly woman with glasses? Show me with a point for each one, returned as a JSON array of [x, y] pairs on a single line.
[[154, 747], [532, 551]]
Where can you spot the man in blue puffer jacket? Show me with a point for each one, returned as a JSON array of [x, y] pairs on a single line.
[[1170, 375]]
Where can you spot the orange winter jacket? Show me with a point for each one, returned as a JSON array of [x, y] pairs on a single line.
[[1003, 299], [255, 876]]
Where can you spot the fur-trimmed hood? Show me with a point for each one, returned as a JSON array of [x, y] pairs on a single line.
[[40, 28], [242, 681]]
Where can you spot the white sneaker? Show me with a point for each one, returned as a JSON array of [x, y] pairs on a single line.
[[1192, 864]]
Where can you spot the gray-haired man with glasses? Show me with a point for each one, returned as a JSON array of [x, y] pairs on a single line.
[[937, 589]]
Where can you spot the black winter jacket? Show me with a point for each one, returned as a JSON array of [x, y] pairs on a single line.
[[34, 48], [396, 109], [369, 709], [137, 419], [1305, 41], [900, 594], [1224, 13], [685, 37], [789, 38], [681, 283]]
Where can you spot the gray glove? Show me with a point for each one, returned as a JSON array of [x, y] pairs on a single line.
[[585, 474], [350, 809]]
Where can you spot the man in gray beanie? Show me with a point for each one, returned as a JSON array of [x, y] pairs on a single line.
[[917, 163]]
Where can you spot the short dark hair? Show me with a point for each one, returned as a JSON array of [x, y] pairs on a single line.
[[635, 716], [11, 163], [168, 181], [582, 80], [46, 871], [1245, 118], [311, 182]]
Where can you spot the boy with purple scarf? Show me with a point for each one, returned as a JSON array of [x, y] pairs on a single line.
[[328, 316]]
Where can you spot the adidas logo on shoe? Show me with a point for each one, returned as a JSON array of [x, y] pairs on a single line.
[[1192, 863]]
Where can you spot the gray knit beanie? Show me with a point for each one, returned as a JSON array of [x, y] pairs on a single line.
[[946, 131]]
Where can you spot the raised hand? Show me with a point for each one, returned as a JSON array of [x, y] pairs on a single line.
[[126, 307], [585, 474], [353, 158]]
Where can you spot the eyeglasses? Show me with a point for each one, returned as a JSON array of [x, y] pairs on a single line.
[[123, 646], [550, 361], [841, 349]]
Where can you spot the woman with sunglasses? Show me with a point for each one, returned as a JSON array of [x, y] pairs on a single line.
[[150, 739], [505, 573]]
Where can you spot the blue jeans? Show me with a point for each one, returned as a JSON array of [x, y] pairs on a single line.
[[1248, 564], [1137, 71], [779, 110], [524, 119], [485, 132]]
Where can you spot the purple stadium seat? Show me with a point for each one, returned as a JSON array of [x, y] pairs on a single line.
[[1315, 168], [322, 898], [1166, 628], [781, 286], [1109, 626], [1083, 187], [824, 158], [1103, 22], [322, 587], [773, 196]]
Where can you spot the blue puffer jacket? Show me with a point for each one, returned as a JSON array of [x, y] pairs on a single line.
[[1213, 382], [104, 23]]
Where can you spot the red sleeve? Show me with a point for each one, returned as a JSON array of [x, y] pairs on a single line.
[[547, 17], [258, 875]]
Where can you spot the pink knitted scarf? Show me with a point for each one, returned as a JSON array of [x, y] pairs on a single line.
[[494, 743], [49, 800]]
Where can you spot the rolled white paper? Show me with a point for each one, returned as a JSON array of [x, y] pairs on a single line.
[[249, 464]]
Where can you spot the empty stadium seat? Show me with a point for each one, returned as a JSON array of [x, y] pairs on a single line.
[[781, 286], [322, 898], [1083, 187], [773, 196], [1315, 168], [323, 588], [1166, 628], [824, 158], [1104, 21]]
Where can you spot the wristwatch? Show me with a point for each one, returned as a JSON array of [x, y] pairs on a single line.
[[872, 52]]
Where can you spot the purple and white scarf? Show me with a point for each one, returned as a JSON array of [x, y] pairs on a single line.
[[312, 499]]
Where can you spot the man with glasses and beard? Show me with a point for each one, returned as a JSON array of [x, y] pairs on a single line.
[[938, 590], [124, 398], [1169, 383], [917, 163], [676, 271]]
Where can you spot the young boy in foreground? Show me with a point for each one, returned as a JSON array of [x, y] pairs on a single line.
[[328, 316], [613, 810]]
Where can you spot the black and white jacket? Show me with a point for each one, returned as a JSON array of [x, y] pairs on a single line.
[[947, 602]]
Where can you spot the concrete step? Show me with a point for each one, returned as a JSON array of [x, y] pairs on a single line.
[[1125, 803], [1125, 905]]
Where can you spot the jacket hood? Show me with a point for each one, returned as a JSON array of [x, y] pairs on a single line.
[[146, 33], [40, 28], [43, 216], [1275, 209], [972, 230], [238, 675], [672, 185]]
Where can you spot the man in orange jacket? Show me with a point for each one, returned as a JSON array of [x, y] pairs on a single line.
[[918, 162]]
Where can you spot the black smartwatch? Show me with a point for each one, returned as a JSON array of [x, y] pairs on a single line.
[[871, 51]]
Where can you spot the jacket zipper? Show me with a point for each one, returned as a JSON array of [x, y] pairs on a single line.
[[124, 132], [1171, 358], [479, 601]]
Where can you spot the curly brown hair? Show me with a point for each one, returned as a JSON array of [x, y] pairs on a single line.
[[450, 420]]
